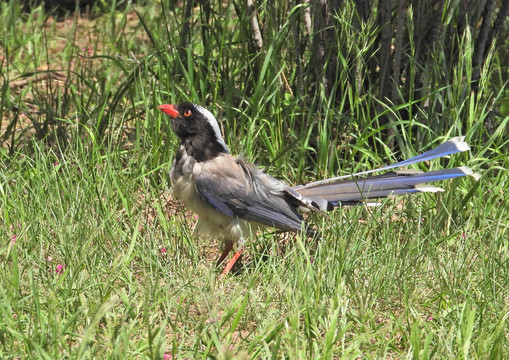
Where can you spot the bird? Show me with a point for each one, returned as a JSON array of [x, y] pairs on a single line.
[[233, 198]]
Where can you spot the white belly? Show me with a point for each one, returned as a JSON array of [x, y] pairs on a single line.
[[211, 221]]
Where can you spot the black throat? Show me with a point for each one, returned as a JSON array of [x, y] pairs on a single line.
[[202, 147]]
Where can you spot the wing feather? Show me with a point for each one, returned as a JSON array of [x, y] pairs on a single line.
[[238, 189]]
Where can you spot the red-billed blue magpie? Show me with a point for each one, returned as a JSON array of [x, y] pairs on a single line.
[[233, 197]]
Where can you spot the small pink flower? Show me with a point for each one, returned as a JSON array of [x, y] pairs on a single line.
[[228, 349], [196, 217], [60, 268], [50, 258], [167, 356], [56, 163], [429, 318], [311, 260], [163, 250], [464, 235], [13, 239], [22, 115], [213, 321], [12, 227]]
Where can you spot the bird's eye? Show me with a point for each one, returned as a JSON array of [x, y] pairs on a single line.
[[187, 112]]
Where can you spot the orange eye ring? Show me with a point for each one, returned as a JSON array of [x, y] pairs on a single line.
[[187, 112]]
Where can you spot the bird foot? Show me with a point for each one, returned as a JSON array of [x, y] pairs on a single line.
[[232, 262]]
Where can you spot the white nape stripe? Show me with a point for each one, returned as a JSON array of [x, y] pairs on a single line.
[[211, 119]]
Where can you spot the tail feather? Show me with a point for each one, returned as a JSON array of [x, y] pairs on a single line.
[[449, 147], [349, 190], [392, 183]]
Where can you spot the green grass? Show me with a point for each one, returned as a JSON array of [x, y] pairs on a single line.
[[98, 262]]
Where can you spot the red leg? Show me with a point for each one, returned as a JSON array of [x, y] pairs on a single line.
[[232, 261], [228, 246]]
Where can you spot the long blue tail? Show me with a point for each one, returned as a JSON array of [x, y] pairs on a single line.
[[348, 189]]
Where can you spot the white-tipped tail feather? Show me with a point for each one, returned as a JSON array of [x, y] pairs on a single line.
[[349, 189], [449, 147], [467, 171]]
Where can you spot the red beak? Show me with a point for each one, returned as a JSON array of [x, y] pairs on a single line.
[[169, 109]]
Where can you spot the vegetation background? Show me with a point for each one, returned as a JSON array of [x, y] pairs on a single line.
[[98, 261]]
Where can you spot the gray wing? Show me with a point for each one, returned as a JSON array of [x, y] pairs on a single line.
[[238, 189]]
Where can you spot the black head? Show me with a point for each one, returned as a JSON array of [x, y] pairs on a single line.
[[197, 128]]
